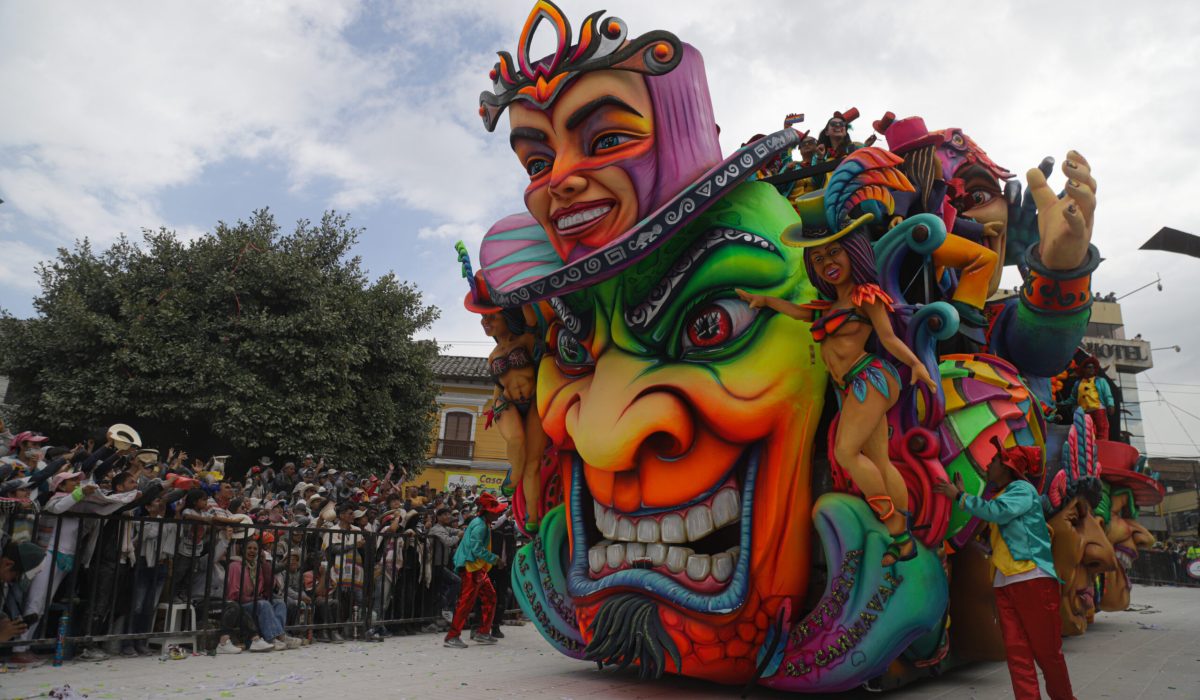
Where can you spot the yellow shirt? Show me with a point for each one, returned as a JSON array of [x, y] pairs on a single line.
[[1003, 558], [1088, 396]]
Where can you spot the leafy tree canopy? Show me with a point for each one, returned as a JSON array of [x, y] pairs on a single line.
[[247, 340]]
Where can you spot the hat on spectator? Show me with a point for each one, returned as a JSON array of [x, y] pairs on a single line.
[[266, 461], [26, 436], [59, 478], [300, 487], [12, 485], [147, 456], [359, 513], [313, 501], [308, 456], [25, 556], [124, 437], [240, 532]]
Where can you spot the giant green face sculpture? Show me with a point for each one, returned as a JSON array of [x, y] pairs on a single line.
[[692, 418]]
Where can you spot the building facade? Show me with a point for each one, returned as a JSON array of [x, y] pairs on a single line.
[[464, 451], [1122, 359]]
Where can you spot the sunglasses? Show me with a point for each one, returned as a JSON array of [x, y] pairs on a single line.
[[837, 123]]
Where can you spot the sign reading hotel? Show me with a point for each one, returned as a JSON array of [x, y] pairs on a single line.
[[1128, 355]]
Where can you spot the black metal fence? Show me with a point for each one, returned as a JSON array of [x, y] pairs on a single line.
[[183, 581], [1161, 568]]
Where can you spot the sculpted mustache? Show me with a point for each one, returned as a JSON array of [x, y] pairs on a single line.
[[628, 629]]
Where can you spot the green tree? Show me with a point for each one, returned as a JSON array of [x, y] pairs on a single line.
[[247, 340]]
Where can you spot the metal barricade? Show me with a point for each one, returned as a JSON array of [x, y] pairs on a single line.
[[165, 580], [1161, 568]]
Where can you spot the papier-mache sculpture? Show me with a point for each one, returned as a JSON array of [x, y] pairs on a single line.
[[692, 432]]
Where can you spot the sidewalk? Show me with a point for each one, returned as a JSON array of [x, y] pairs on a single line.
[[1152, 654]]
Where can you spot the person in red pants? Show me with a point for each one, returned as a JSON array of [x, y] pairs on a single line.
[[474, 555], [1027, 589]]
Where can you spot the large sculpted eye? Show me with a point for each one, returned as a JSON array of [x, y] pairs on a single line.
[[571, 355], [979, 198], [536, 166], [717, 324], [609, 141]]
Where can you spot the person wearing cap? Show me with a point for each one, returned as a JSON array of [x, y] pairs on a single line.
[[25, 453], [835, 137], [474, 555], [1026, 587], [1094, 395], [60, 537]]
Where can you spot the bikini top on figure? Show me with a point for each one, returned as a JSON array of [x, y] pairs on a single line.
[[517, 358], [827, 323]]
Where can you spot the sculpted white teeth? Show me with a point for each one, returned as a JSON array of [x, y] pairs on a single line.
[[615, 555], [698, 566], [608, 524], [596, 557], [625, 530], [725, 508], [647, 530], [581, 217], [673, 531], [677, 558], [699, 522], [657, 552], [722, 567], [635, 552]]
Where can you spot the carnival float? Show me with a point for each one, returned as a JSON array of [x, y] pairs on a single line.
[[729, 383]]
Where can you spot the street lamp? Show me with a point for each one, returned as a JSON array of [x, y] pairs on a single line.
[[1157, 281], [1176, 348]]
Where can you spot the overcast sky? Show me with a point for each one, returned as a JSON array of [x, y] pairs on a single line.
[[120, 116]]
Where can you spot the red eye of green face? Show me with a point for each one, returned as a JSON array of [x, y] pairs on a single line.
[[711, 327]]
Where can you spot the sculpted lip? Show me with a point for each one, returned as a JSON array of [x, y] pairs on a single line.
[[578, 218]]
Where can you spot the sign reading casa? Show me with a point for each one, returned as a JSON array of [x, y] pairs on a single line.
[[485, 480]]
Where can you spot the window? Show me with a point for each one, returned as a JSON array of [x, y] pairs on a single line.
[[456, 436]]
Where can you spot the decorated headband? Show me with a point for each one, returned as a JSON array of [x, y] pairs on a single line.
[[603, 45], [477, 299]]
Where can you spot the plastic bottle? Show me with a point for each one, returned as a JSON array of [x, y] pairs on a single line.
[[64, 623]]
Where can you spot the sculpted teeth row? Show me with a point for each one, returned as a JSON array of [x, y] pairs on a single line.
[[617, 555], [691, 525], [582, 217]]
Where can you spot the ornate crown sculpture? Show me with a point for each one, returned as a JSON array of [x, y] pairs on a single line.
[[602, 46]]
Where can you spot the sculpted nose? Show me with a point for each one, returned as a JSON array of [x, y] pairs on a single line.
[[1098, 554], [623, 414]]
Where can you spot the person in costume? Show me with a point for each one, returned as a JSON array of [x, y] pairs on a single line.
[[475, 557], [842, 267], [1094, 395], [835, 137], [1027, 595]]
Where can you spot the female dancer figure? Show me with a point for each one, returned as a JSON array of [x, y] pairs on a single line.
[[842, 267], [514, 408]]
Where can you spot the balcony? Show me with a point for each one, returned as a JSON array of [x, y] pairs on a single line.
[[456, 449]]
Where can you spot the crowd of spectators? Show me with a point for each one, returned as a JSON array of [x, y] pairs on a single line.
[[118, 537]]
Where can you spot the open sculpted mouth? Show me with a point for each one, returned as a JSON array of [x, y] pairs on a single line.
[[1087, 599], [577, 218], [1125, 557], [833, 273], [695, 555]]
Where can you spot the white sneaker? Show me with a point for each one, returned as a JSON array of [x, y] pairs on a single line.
[[280, 646], [261, 644], [292, 642], [228, 647]]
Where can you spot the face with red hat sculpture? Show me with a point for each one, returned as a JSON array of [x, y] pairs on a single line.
[[1126, 488]]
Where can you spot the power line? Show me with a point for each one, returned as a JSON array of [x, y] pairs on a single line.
[[1171, 408]]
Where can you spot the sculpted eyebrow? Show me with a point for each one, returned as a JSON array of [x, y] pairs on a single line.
[[586, 111], [525, 132]]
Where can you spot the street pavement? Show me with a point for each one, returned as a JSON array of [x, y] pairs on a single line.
[[1151, 651]]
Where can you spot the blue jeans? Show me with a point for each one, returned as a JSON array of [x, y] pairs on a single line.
[[147, 587], [270, 615]]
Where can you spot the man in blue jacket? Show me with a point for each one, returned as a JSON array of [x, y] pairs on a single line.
[[475, 557], [1026, 587]]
